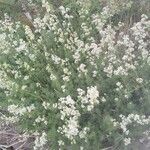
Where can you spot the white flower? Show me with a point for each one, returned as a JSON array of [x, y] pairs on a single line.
[[26, 77], [71, 130], [69, 100], [139, 80], [89, 99], [53, 77], [41, 120], [127, 141], [23, 87], [16, 110], [70, 115], [62, 9], [93, 94], [30, 108], [63, 87], [103, 99], [90, 107], [82, 69], [60, 142], [46, 5], [46, 105], [116, 99], [81, 148], [12, 108], [56, 59], [109, 70], [40, 141], [29, 33], [65, 78], [120, 86], [83, 132], [76, 57], [80, 92], [94, 73]]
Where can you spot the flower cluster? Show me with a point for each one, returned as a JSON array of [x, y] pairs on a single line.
[[88, 99], [64, 76], [40, 141], [14, 109], [70, 115], [132, 119]]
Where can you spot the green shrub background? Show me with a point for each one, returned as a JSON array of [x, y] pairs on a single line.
[[28, 72]]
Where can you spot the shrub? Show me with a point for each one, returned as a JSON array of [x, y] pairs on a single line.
[[76, 81]]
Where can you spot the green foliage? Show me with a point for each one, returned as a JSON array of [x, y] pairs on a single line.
[[77, 65], [9, 6]]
